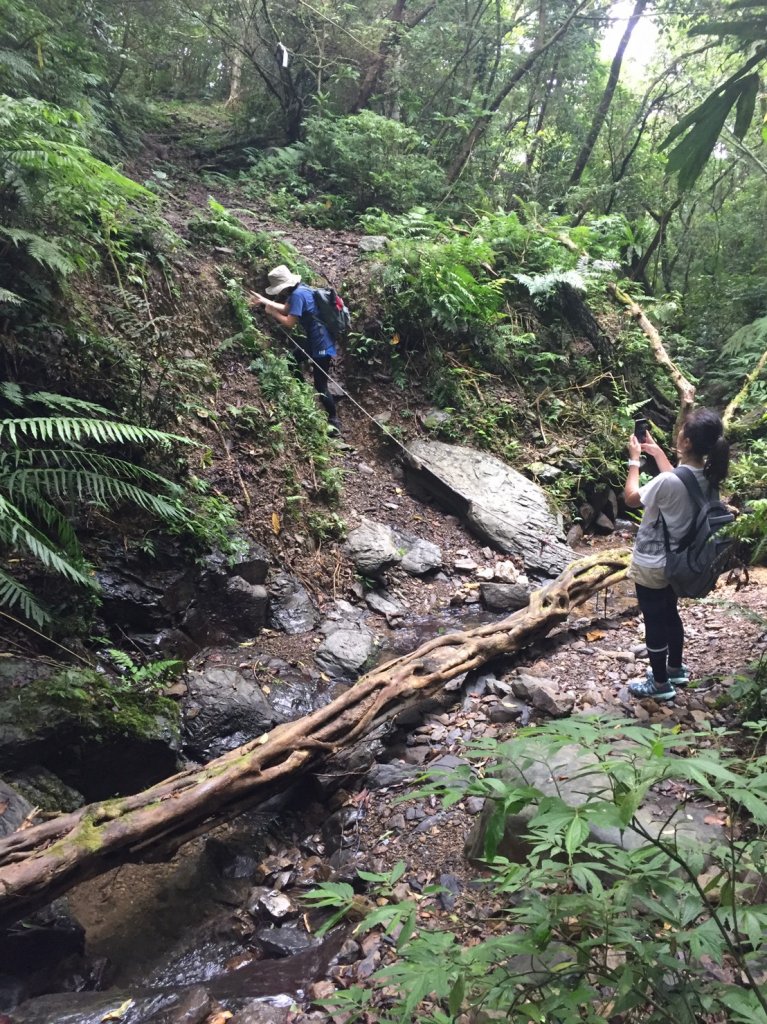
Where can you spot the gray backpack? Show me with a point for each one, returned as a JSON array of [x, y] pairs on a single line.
[[694, 567]]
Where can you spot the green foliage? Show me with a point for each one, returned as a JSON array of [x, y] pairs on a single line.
[[372, 160], [750, 529], [596, 930], [224, 227], [748, 473], [209, 522], [60, 204], [50, 469]]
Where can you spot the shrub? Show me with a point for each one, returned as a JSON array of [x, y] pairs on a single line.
[[373, 160]]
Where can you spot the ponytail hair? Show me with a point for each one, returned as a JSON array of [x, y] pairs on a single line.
[[705, 432]]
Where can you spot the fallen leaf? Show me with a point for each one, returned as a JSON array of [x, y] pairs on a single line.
[[714, 819], [276, 526], [219, 1018], [595, 634], [120, 1012]]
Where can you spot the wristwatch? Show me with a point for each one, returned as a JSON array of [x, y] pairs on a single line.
[[634, 462]]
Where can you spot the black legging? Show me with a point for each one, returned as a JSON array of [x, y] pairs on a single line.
[[320, 371], [664, 632]]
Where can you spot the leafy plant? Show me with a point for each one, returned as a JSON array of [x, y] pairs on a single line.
[[51, 465], [598, 930]]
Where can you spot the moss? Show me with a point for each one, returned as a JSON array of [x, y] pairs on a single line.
[[87, 837]]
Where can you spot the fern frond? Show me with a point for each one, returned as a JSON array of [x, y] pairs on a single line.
[[31, 461], [42, 250], [11, 298], [20, 68], [75, 428], [86, 486], [18, 531], [14, 594], [55, 522]]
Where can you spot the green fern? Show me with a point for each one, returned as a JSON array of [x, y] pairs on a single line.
[[36, 481]]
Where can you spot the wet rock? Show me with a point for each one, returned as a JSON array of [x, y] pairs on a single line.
[[129, 602], [287, 940], [237, 611], [544, 472], [12, 992], [222, 710], [340, 829], [574, 535], [45, 790], [603, 524], [290, 607], [503, 506], [344, 652], [193, 1007], [421, 558], [253, 565], [504, 597], [373, 548], [39, 726], [274, 904], [14, 809], [234, 858]]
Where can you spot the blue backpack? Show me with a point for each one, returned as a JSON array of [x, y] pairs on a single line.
[[693, 569]]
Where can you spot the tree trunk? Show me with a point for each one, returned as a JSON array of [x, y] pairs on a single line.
[[739, 399], [684, 388], [607, 96], [388, 47], [482, 123], [40, 863], [235, 80]]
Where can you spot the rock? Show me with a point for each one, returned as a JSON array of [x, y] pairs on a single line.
[[475, 804], [383, 776], [129, 602], [274, 904], [372, 243], [504, 597], [377, 602], [234, 858], [194, 1006], [222, 710], [451, 888], [544, 472], [287, 940], [421, 558], [501, 505], [434, 419], [587, 514], [344, 653], [465, 565], [236, 610], [14, 809], [506, 710], [290, 607], [543, 694], [574, 535], [603, 524], [45, 790], [373, 548], [275, 1010], [253, 564], [321, 990], [565, 774]]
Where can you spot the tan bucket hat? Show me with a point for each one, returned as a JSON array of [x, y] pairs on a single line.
[[281, 278]]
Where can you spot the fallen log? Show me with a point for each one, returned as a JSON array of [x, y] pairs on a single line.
[[38, 864]]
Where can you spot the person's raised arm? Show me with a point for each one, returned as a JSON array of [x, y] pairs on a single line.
[[650, 447], [279, 311], [631, 487]]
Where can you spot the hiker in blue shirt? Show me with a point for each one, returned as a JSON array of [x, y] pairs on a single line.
[[297, 303]]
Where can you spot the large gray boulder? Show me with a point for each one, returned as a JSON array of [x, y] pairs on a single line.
[[572, 774], [374, 547], [501, 505]]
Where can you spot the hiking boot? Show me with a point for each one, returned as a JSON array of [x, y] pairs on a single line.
[[334, 427], [649, 688], [678, 677]]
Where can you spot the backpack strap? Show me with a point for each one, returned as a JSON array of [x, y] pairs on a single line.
[[699, 503]]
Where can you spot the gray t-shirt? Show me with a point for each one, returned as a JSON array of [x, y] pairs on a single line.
[[665, 495]]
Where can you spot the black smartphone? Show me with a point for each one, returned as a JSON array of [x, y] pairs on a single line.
[[640, 430]]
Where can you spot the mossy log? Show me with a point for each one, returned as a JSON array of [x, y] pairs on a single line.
[[38, 864]]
